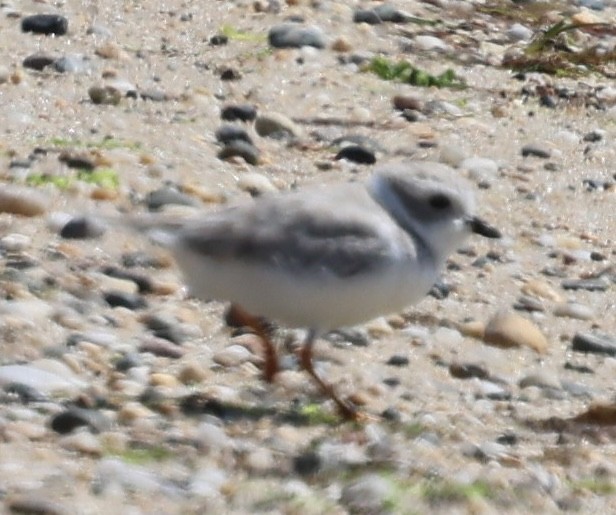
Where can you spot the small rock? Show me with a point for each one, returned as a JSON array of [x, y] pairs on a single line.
[[467, 371], [293, 35], [508, 330], [600, 284], [15, 242], [75, 63], [240, 148], [519, 32], [242, 112], [368, 494], [307, 464], [480, 168], [22, 201], [535, 151], [232, 356], [32, 505], [167, 195], [542, 290], [162, 348], [82, 228], [38, 61], [45, 24], [276, 125], [594, 343], [192, 373], [83, 442], [105, 95], [402, 102], [256, 184], [573, 310], [123, 299], [73, 417], [228, 133], [398, 360], [356, 154], [40, 380]]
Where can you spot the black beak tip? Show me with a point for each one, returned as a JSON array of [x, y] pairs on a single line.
[[478, 226]]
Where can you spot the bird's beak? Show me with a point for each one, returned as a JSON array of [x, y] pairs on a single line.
[[478, 226]]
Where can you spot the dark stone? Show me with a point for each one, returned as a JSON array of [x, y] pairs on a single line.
[[440, 290], [508, 439], [80, 162], [38, 62], [25, 393], [45, 24], [125, 300], [293, 35], [582, 369], [240, 148], [74, 417], [241, 112], [164, 328], [535, 151], [594, 343], [82, 228], [218, 40], [391, 414], [227, 133], [398, 360], [144, 283], [585, 284], [230, 74], [467, 371], [167, 195], [356, 154], [593, 136], [127, 362], [392, 382], [307, 464]]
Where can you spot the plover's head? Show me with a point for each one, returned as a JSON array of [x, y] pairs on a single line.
[[430, 203]]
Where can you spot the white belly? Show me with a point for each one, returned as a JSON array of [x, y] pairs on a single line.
[[321, 303]]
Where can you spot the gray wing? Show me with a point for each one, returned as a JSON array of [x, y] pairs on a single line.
[[336, 231]]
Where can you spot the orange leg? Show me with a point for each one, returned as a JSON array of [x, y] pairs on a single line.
[[238, 317], [345, 409]]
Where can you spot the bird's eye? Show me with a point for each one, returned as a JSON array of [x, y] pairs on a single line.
[[439, 201]]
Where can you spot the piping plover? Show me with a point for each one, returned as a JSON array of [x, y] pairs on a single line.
[[326, 257]]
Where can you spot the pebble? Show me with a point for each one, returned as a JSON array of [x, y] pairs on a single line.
[[15, 242], [45, 24], [19, 200], [83, 442], [167, 195], [38, 61], [277, 126], [72, 418], [241, 112], [379, 14], [240, 148], [402, 102], [480, 168], [507, 329], [144, 283], [356, 154], [118, 298], [228, 133], [232, 356], [256, 184], [541, 289], [600, 284], [573, 310], [162, 348], [82, 228], [534, 150], [31, 504], [293, 35], [74, 63], [427, 43], [5, 74], [594, 343], [367, 494], [42, 381], [105, 95], [519, 32], [192, 373], [207, 482]]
